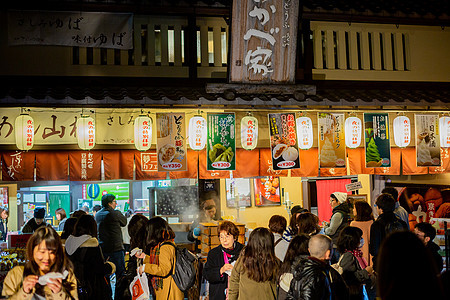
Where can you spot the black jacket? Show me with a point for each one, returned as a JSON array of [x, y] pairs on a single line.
[[90, 269], [315, 279], [109, 222], [31, 226], [436, 256], [378, 232], [344, 209], [211, 271], [354, 276], [3, 229]]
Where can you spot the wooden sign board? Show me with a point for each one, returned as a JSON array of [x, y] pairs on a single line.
[[263, 41]]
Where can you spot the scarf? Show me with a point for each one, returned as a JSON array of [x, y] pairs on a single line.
[[357, 253], [157, 282], [231, 254]]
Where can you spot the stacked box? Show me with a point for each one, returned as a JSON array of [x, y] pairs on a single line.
[[210, 236]]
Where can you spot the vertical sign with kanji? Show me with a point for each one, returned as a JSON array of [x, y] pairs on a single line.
[[171, 141], [376, 140], [427, 140], [264, 41], [221, 142], [283, 141]]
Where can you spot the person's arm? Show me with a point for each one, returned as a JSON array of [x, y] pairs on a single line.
[[335, 222], [166, 262], [121, 218], [12, 285], [349, 264], [211, 271], [375, 241], [233, 288], [27, 228]]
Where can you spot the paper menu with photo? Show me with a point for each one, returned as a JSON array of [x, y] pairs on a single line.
[[221, 142], [171, 141], [428, 150], [283, 141], [267, 191], [376, 140], [331, 140]]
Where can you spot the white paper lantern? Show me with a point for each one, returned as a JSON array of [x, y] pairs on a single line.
[[197, 133], [86, 132], [143, 133], [249, 132], [353, 130], [24, 132], [304, 133], [444, 131], [402, 131]]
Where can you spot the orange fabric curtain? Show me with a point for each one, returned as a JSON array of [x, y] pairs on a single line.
[[409, 162], [18, 165], [192, 167], [395, 164], [445, 163], [329, 172], [247, 163], [265, 164], [357, 162], [118, 164], [147, 166], [309, 164], [85, 165], [52, 165]]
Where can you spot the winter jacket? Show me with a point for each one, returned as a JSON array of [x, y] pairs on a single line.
[[285, 279], [281, 246], [354, 276], [61, 224], [109, 222], [12, 287], [31, 226], [339, 219], [3, 229], [315, 279], [378, 232], [243, 288], [436, 256], [89, 266], [217, 282], [365, 227]]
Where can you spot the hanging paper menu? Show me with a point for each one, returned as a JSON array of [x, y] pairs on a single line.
[[221, 143], [170, 141], [283, 141], [428, 151], [331, 140], [376, 140]]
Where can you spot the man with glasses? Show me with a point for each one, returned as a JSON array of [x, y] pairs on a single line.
[[110, 238]]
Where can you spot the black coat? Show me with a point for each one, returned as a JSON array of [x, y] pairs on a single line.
[[315, 279], [31, 226], [436, 256], [90, 269], [109, 223], [3, 230], [211, 271]]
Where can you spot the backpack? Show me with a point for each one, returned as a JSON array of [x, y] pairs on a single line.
[[396, 225], [185, 269]]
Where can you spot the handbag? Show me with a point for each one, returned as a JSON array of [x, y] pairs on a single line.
[[139, 286], [337, 266]]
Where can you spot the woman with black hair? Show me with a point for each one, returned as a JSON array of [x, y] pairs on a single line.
[[90, 267], [256, 271], [353, 265], [44, 255], [4, 214], [69, 226], [160, 260]]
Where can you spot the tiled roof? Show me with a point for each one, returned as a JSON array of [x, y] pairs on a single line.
[[195, 95]]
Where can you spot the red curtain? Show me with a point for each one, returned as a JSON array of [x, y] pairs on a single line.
[[85, 165], [324, 189], [52, 165], [18, 165], [118, 164], [147, 166]]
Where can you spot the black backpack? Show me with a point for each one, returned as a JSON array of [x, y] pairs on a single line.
[[185, 269], [397, 225]]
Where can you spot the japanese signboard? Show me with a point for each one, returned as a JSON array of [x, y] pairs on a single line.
[[221, 143], [264, 41], [331, 140], [171, 141], [283, 141], [267, 191], [76, 29], [376, 140], [427, 140]]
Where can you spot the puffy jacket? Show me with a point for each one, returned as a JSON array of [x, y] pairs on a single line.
[[109, 222], [314, 279], [333, 229]]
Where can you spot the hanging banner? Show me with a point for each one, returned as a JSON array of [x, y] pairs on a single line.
[[221, 143], [267, 191], [85, 165], [18, 165], [171, 141], [331, 140], [283, 141], [376, 140], [76, 29], [428, 151]]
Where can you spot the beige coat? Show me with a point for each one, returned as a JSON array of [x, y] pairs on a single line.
[[365, 227], [12, 287], [170, 291]]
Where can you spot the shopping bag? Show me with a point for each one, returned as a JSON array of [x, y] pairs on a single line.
[[139, 287]]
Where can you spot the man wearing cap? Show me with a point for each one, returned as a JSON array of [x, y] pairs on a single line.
[[109, 223], [339, 219], [36, 222]]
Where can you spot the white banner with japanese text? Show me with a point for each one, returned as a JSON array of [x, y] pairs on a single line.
[[77, 29]]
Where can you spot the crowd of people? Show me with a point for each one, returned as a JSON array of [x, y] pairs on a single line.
[[353, 256]]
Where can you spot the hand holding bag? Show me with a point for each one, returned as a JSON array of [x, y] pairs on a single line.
[[139, 286]]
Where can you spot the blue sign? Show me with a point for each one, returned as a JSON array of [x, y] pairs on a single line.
[[93, 190]]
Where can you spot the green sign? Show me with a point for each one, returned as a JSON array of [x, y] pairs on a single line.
[[119, 189], [376, 138], [221, 143]]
